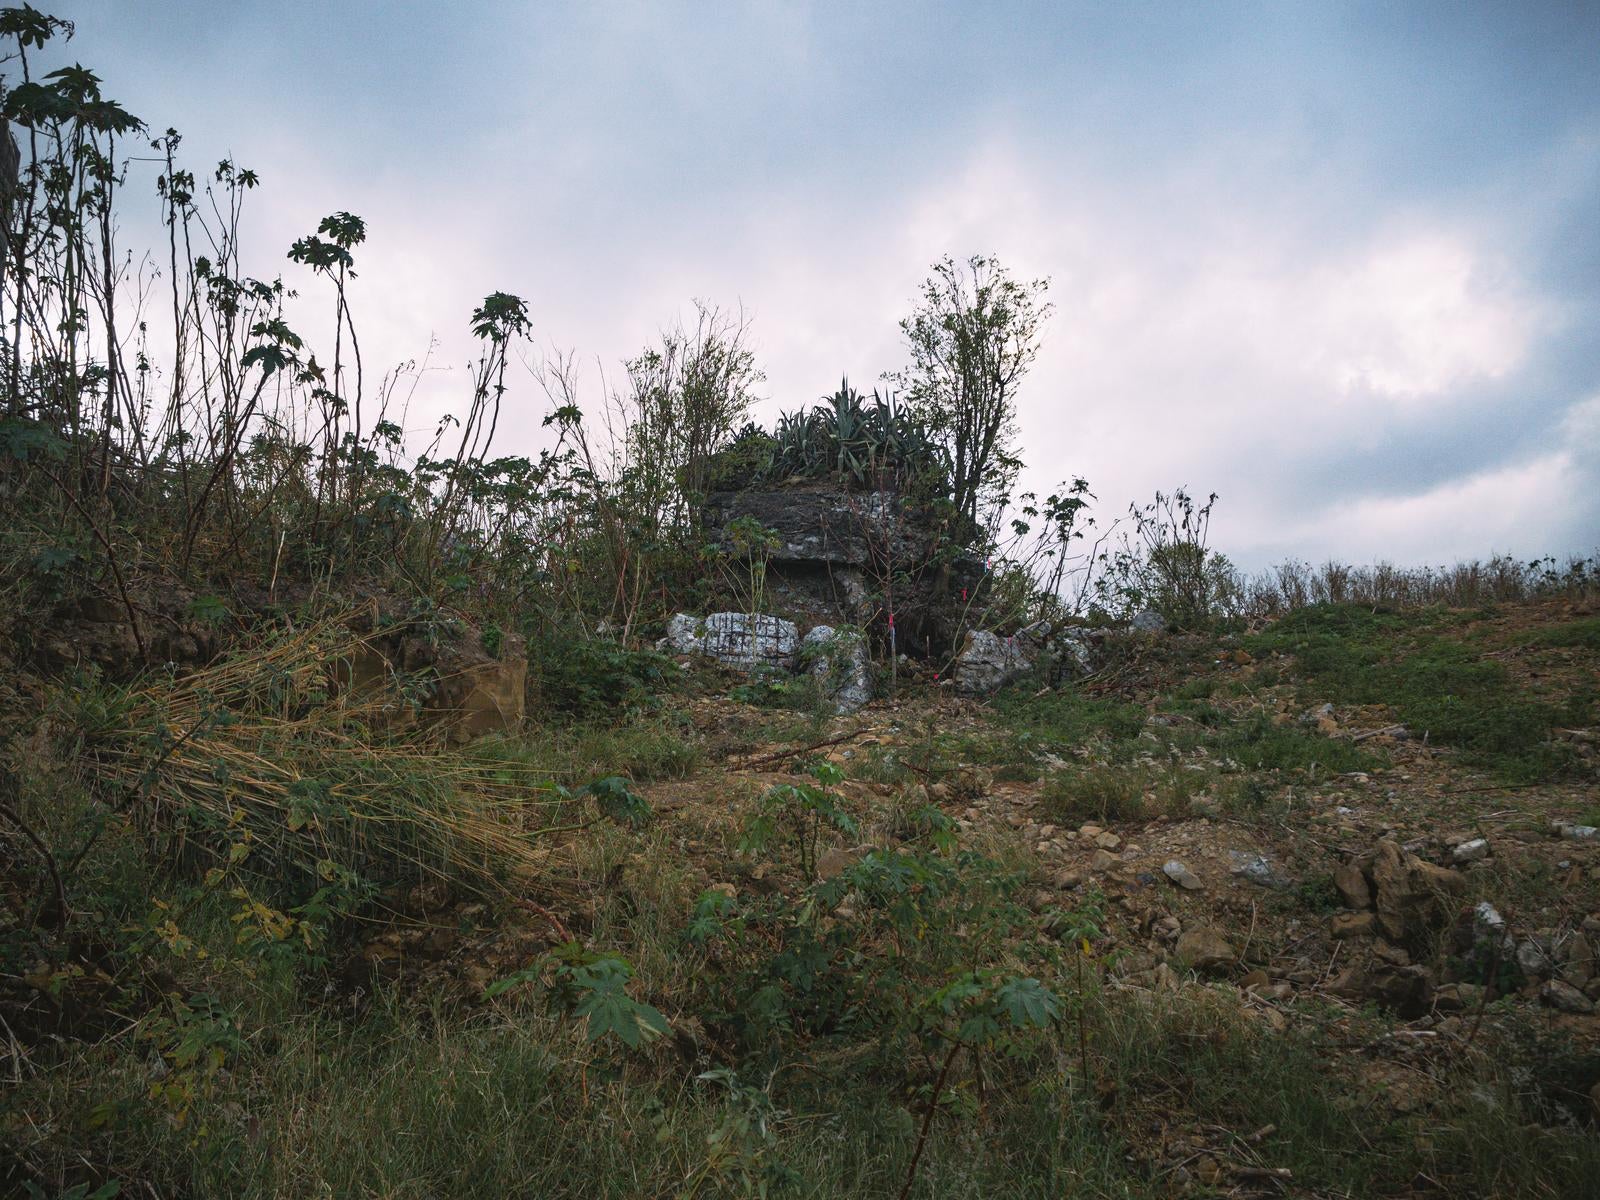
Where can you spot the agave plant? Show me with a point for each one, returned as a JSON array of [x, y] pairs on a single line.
[[859, 441]]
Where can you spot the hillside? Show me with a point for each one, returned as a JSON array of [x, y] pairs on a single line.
[[458, 776], [1119, 929]]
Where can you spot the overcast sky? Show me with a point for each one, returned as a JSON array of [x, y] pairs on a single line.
[[1338, 262]]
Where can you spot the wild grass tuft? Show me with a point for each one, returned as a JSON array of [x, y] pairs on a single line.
[[269, 750]]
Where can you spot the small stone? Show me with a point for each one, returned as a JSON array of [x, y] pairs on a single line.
[[1254, 980], [1472, 851], [1352, 885], [1135, 963], [1576, 833], [1067, 880], [1108, 841], [1394, 955], [1182, 876], [1578, 964], [1533, 960], [1104, 861], [1356, 924], [1457, 997], [1204, 948], [836, 861], [1488, 918], [1312, 715], [1256, 869], [1089, 832], [1565, 997]]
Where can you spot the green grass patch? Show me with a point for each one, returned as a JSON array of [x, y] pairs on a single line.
[[1122, 793], [1257, 744], [1580, 635], [1437, 686], [643, 750]]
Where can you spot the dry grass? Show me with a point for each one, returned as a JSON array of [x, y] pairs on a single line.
[[271, 748]]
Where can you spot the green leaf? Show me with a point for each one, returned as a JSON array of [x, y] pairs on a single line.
[[1028, 1002], [618, 801], [516, 979]]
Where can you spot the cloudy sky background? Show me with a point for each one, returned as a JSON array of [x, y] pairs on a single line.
[[1338, 263]]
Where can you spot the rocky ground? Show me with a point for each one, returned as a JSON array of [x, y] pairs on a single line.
[[1324, 896], [1337, 872]]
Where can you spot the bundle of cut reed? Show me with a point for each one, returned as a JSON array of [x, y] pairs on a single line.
[[273, 748]]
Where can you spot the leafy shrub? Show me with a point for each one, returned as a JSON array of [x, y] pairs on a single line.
[[584, 677], [592, 986]]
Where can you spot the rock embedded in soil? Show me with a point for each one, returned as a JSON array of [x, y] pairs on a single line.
[[1204, 949], [740, 640], [1578, 961], [841, 664], [1352, 886], [1533, 959], [1565, 997], [1257, 869], [1182, 876], [1412, 894], [987, 662], [1355, 924], [1471, 851]]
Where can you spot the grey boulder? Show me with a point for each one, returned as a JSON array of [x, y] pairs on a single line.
[[838, 660]]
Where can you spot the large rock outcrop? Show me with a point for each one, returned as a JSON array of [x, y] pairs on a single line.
[[820, 523], [834, 552]]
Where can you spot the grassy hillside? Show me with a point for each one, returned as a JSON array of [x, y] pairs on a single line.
[[930, 949]]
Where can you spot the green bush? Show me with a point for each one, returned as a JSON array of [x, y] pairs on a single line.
[[575, 678]]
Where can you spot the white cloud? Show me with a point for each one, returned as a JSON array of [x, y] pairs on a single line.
[[1491, 512]]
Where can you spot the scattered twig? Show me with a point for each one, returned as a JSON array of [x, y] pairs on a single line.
[[798, 750], [1279, 1174], [1372, 733], [38, 844], [540, 910], [927, 1120], [1483, 998]]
